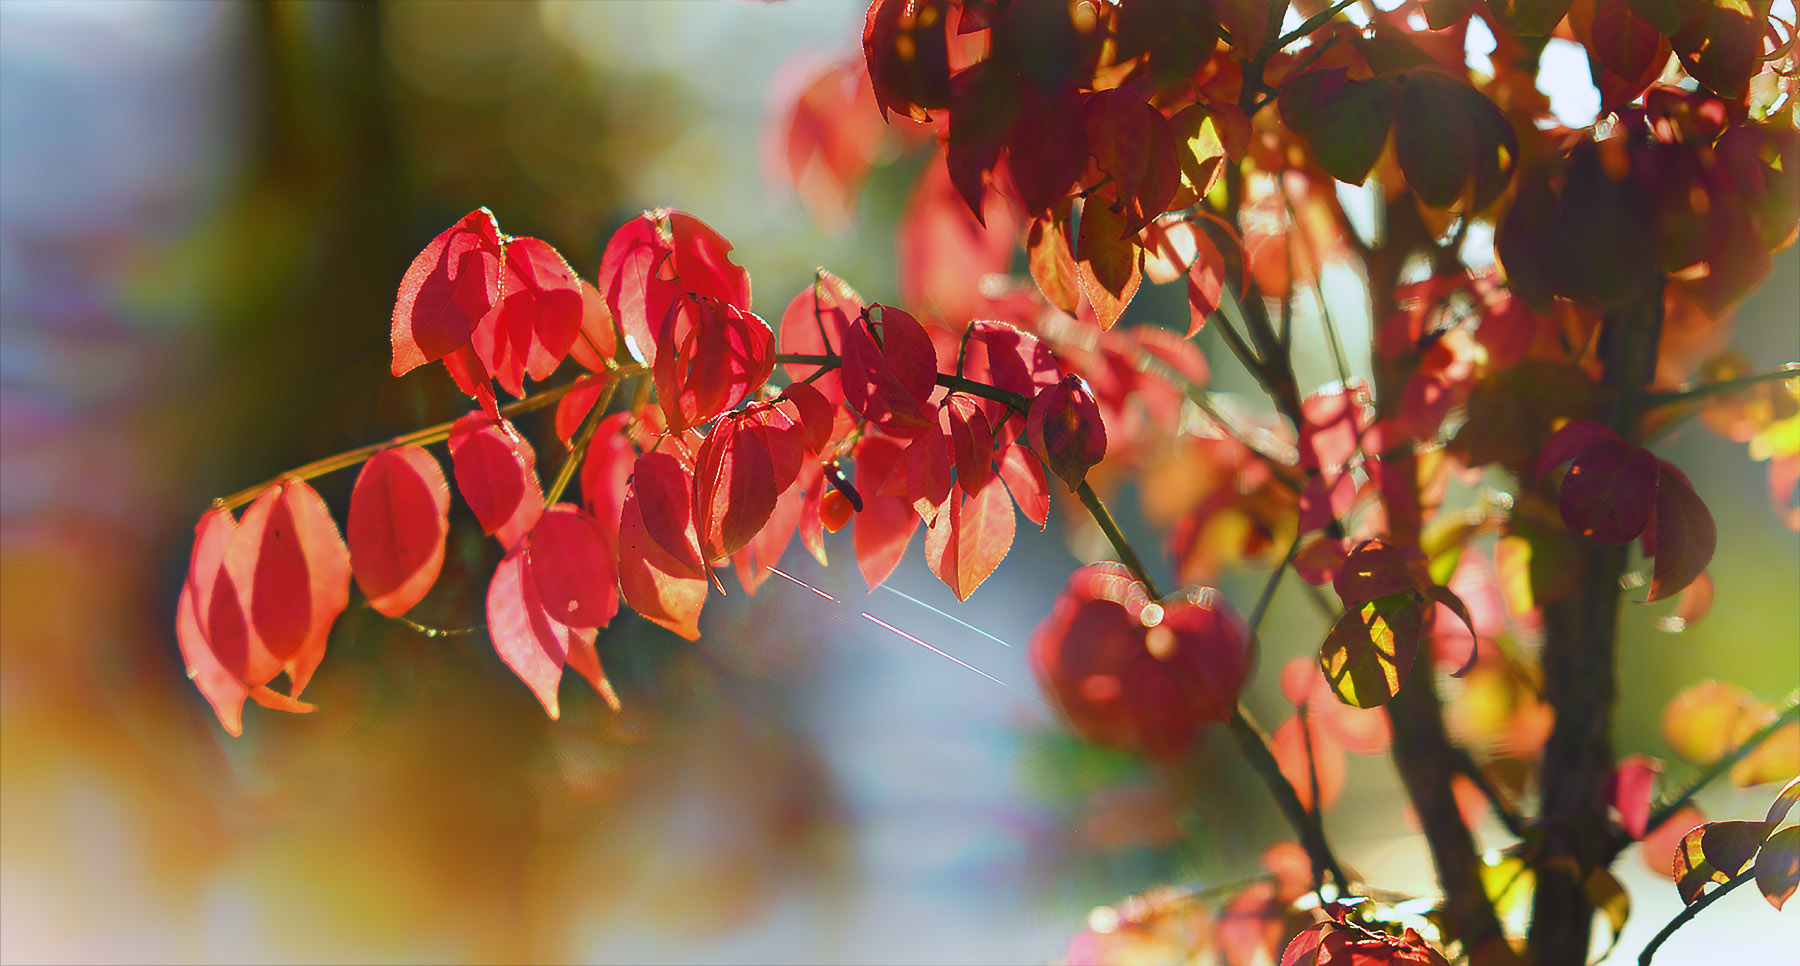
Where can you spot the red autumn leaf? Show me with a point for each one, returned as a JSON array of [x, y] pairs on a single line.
[[222, 689], [660, 587], [470, 376], [1024, 478], [885, 524], [597, 342], [1305, 760], [765, 549], [814, 492], [1335, 419], [1609, 492], [399, 519], [1778, 866], [1131, 142], [664, 491], [1575, 438], [1046, 145], [944, 253], [298, 572], [709, 356], [539, 314], [1206, 283], [817, 415], [971, 442], [1009, 358], [969, 536], [923, 473], [1625, 52], [1685, 534], [573, 568], [905, 44], [814, 324], [1137, 674], [446, 291], [1359, 730], [496, 473], [575, 405], [1052, 259], [829, 137], [606, 474], [1451, 140], [784, 438], [658, 258], [1631, 791], [1376, 569], [585, 659], [1106, 260], [734, 486], [524, 636], [889, 371], [1660, 843], [1066, 430]]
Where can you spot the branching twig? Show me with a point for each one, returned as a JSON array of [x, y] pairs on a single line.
[[1789, 371], [1682, 918]]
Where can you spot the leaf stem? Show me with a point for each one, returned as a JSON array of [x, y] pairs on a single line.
[[1682, 918], [1110, 527], [1254, 744], [578, 449], [1788, 371]]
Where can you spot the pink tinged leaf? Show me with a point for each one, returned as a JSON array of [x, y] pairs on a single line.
[[467, 371], [221, 688], [812, 488], [586, 661], [814, 324], [1024, 478], [522, 632], [656, 258], [659, 587], [1334, 422], [817, 414], [1631, 789], [923, 474], [971, 442], [664, 491], [734, 487], [1778, 866], [598, 341], [1206, 283], [879, 534], [573, 568], [575, 406], [399, 519], [1449, 599], [288, 573], [785, 440], [1066, 430], [764, 550], [529, 330], [605, 475], [1008, 358], [496, 472], [889, 372], [969, 537], [1684, 532], [1609, 492], [446, 290], [710, 354], [1575, 438]]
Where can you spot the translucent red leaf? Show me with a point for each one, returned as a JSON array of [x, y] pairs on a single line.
[[923, 474], [1024, 478], [664, 491], [445, 292], [969, 536], [529, 330], [889, 372], [1625, 52], [814, 490], [1684, 531], [1046, 145], [222, 689], [605, 474], [814, 324], [906, 47], [817, 415], [575, 405], [1106, 260], [598, 340], [1131, 142], [523, 633], [1631, 791], [1609, 492], [880, 532], [1051, 257], [1006, 357], [783, 437], [657, 258], [1778, 866], [944, 252], [659, 587], [399, 519], [1575, 438], [710, 355], [1206, 283], [1066, 430], [1335, 419], [829, 138], [1660, 843], [765, 549], [496, 473], [585, 659], [573, 568], [1305, 763], [971, 442], [466, 370], [734, 487], [291, 572]]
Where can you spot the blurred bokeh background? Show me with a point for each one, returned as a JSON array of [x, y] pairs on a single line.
[[204, 211]]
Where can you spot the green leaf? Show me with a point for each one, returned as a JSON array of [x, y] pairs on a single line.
[[1371, 649]]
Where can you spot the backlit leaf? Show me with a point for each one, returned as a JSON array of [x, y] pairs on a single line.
[[814, 324], [529, 330], [522, 632], [1024, 478], [889, 372], [1778, 866], [1685, 534], [1609, 492], [734, 487], [969, 536], [659, 587], [399, 519], [880, 532], [659, 257], [1371, 649], [1106, 260], [496, 473], [572, 568], [445, 292]]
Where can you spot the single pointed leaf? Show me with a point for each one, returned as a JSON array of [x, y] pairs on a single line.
[[969, 537], [1024, 478], [659, 587], [574, 406], [880, 532], [817, 415], [585, 659], [521, 632], [971, 442], [1778, 866], [221, 688], [598, 340], [1784, 802], [1370, 651], [496, 473], [659, 257], [445, 292], [664, 491], [530, 328], [1206, 283], [1685, 534], [572, 568], [764, 550], [1106, 257], [292, 573], [399, 520], [1052, 259], [1609, 492], [889, 372], [1631, 790], [734, 487]]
